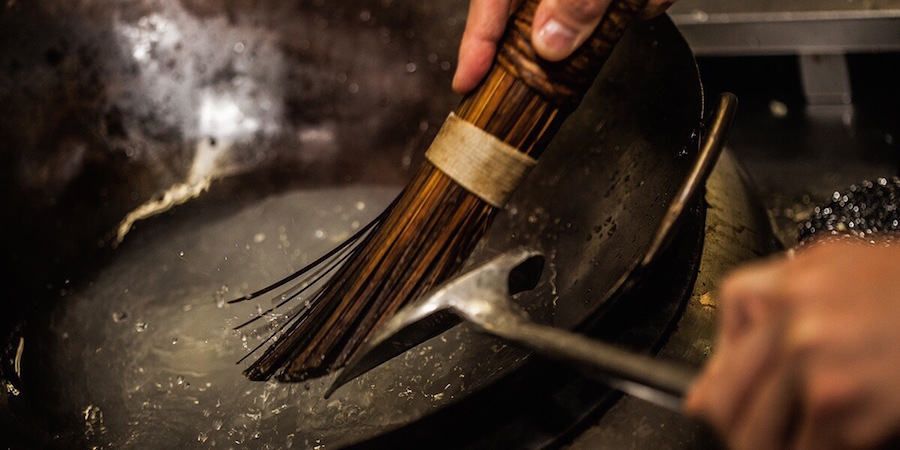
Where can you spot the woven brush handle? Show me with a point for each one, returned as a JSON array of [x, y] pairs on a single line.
[[524, 98]]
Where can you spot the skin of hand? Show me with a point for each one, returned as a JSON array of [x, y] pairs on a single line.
[[808, 351], [560, 27]]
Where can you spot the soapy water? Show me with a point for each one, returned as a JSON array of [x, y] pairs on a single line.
[[143, 354]]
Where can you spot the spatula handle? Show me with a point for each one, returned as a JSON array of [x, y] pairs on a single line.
[[524, 98], [658, 381]]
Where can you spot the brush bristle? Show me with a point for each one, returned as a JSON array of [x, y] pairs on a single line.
[[424, 239]]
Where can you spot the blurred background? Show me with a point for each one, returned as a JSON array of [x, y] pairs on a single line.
[[817, 83]]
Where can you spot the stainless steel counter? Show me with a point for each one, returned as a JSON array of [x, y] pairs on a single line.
[[741, 27]]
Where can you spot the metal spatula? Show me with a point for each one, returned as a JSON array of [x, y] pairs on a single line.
[[481, 297]]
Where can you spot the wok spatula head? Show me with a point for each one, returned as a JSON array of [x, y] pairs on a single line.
[[513, 272]]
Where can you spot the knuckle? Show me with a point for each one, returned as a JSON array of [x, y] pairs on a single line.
[[801, 283], [804, 338]]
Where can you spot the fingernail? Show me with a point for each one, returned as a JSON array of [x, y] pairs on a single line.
[[555, 41]]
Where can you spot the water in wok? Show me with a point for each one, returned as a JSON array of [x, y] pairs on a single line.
[[289, 125]]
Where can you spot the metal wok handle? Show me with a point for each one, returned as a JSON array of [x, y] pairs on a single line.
[[717, 128], [660, 382]]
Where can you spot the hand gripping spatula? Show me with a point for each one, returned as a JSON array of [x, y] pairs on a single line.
[[481, 297]]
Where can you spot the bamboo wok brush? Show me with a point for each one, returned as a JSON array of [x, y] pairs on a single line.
[[481, 153]]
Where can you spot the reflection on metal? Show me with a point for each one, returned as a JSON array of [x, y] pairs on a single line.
[[150, 31], [171, 197]]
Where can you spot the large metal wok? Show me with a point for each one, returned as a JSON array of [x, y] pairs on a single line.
[[289, 124]]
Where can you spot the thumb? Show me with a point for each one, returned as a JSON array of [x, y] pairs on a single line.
[[561, 26]]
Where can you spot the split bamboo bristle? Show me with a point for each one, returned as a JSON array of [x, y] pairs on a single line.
[[426, 235]]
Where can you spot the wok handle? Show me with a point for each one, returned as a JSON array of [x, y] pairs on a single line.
[[524, 99], [714, 133], [660, 382]]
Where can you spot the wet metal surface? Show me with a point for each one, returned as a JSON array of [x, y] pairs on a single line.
[[300, 119]]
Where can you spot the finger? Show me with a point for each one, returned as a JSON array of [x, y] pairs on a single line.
[[735, 374], [655, 8], [561, 26], [484, 27], [768, 417], [842, 406], [750, 295]]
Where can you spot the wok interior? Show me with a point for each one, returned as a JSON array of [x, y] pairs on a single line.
[[310, 117]]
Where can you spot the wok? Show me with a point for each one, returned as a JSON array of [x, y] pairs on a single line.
[[301, 120]]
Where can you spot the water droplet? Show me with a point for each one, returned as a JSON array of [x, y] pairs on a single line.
[[140, 326], [319, 234], [174, 340], [365, 16], [239, 47], [220, 296], [411, 67], [181, 254], [202, 437], [778, 109], [217, 424], [119, 316], [353, 88], [259, 237]]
